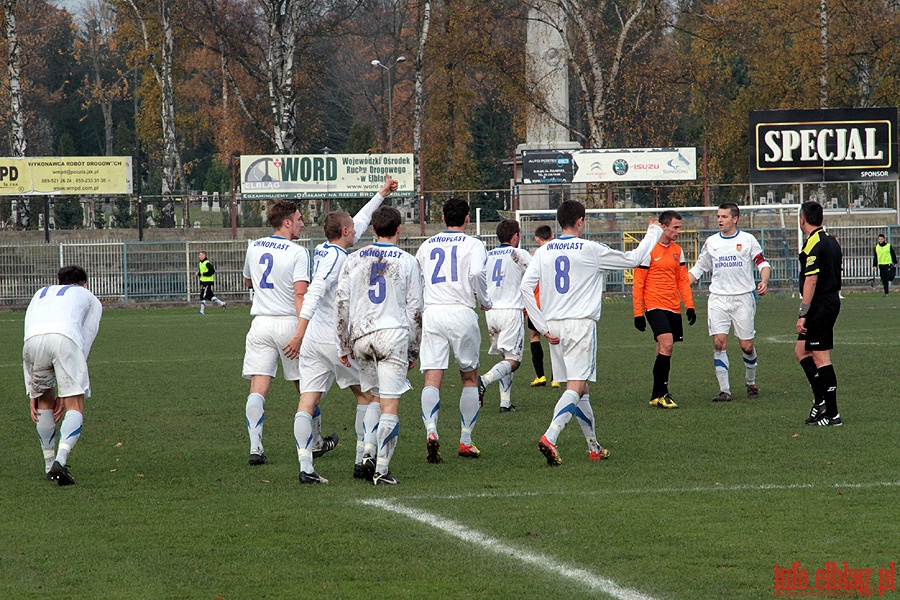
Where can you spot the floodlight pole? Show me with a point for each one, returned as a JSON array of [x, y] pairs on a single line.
[[378, 63]]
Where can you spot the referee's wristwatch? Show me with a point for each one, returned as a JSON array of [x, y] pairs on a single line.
[[804, 308]]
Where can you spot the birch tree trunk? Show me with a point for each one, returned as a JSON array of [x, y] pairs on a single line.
[[424, 24], [18, 141], [281, 18]]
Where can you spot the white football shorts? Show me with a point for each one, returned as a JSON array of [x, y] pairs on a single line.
[[576, 354], [446, 327], [507, 332], [262, 349], [52, 360], [725, 311], [320, 367], [383, 360]]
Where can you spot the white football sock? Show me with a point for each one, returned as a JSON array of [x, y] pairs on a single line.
[[498, 372], [562, 414], [388, 432], [720, 360], [69, 432], [202, 306], [431, 405], [506, 390], [303, 426], [255, 416], [46, 430], [468, 413], [370, 424], [585, 415], [360, 430], [750, 366]]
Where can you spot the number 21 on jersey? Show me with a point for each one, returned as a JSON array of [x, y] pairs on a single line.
[[438, 276]]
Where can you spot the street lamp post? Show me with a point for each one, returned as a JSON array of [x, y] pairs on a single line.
[[378, 63]]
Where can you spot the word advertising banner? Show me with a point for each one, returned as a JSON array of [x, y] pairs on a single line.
[[324, 175], [801, 146], [75, 176], [609, 165]]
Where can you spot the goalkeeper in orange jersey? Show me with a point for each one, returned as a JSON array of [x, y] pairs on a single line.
[[660, 286]]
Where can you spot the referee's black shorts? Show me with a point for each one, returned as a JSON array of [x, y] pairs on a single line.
[[820, 320], [665, 321]]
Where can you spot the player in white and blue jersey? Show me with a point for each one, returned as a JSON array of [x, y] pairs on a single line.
[[453, 268], [61, 324], [319, 363], [379, 315], [731, 256], [570, 271], [505, 267], [277, 270]]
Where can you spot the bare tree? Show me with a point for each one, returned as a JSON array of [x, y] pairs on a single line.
[[18, 140], [423, 25]]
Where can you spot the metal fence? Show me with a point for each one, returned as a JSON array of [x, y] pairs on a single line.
[[125, 272]]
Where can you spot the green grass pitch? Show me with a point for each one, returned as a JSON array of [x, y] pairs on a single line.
[[699, 502]]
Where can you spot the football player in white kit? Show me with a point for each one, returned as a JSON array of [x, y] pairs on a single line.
[[61, 324], [379, 316], [453, 268], [277, 270], [731, 256], [319, 364], [570, 271], [505, 267]]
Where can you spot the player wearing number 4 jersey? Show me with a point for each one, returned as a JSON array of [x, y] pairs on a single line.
[[505, 267], [731, 255], [277, 270], [379, 315], [453, 268], [570, 271]]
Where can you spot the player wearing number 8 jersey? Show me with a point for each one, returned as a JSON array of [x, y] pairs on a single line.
[[453, 268], [570, 271], [277, 270]]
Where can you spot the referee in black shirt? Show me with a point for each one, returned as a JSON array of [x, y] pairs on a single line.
[[820, 284]]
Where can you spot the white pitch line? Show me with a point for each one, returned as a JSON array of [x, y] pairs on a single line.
[[764, 487], [496, 546]]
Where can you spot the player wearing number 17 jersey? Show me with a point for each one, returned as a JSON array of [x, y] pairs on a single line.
[[453, 267], [379, 315], [277, 270], [570, 271]]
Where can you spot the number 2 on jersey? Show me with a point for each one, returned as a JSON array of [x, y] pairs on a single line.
[[440, 255], [268, 260]]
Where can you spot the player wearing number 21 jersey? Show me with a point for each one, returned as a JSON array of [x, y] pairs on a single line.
[[453, 267], [570, 271], [277, 270]]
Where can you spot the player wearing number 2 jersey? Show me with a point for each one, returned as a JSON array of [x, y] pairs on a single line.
[[570, 271], [453, 268], [277, 270]]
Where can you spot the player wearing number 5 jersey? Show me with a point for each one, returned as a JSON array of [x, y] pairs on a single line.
[[570, 271], [379, 315], [453, 269], [277, 270]]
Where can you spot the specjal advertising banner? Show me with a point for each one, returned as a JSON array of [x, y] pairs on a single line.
[[76, 176], [609, 165], [324, 175], [799, 146]]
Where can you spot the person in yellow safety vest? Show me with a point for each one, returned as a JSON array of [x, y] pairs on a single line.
[[207, 275], [885, 262]]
